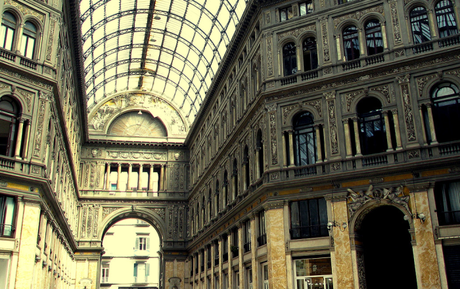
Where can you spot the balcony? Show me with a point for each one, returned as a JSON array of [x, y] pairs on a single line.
[[24, 62]]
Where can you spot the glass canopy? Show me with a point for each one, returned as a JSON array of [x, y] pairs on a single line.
[[170, 47]]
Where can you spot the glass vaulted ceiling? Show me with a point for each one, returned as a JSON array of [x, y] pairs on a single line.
[[170, 47]]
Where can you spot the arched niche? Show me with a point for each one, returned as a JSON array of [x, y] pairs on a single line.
[[135, 123]]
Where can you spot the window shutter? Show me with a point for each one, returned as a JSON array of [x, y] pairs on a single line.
[[137, 244], [147, 240], [147, 269], [135, 269]]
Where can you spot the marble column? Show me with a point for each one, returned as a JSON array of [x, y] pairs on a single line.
[[394, 112], [319, 151], [130, 171], [107, 180], [276, 256], [161, 178], [346, 128], [431, 122], [17, 150], [387, 131], [28, 218], [87, 269], [341, 256], [291, 148], [357, 141], [284, 149], [118, 176]]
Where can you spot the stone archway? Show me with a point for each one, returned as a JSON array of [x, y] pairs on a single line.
[[384, 254]]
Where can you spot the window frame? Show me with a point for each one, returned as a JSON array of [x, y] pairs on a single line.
[[28, 35], [445, 114], [9, 26], [311, 211], [288, 13], [8, 203], [419, 20], [443, 18], [370, 35], [350, 35], [312, 54], [309, 8]]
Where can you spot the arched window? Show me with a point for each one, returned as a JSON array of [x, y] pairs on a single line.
[[371, 126], [225, 190], [310, 54], [260, 152], [374, 40], [29, 37], [217, 204], [9, 116], [235, 180], [445, 18], [8, 29], [246, 167], [203, 212], [420, 26], [304, 139], [351, 43], [446, 111], [289, 59]]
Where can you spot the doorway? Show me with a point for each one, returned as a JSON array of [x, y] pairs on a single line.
[[387, 250]]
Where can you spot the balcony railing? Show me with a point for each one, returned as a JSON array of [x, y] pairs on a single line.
[[26, 62], [247, 247], [262, 240], [309, 231], [449, 217]]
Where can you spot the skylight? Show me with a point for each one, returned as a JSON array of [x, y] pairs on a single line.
[[169, 47]]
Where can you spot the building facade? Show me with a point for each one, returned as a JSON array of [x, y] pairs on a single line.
[[324, 154]]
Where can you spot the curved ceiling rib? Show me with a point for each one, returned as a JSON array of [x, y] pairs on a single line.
[[169, 47]]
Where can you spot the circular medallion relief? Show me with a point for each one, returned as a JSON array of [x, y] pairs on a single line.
[[135, 124]]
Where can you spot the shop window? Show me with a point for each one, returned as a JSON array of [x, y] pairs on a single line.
[[8, 30], [7, 214], [447, 196], [286, 13], [420, 26], [445, 18], [374, 40], [9, 118], [351, 43], [310, 54], [313, 273], [305, 8], [289, 59], [446, 111], [308, 218], [371, 126], [452, 263], [29, 37]]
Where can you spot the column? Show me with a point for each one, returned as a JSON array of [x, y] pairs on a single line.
[[244, 176], [107, 180], [319, 150], [387, 131], [130, 170], [139, 184], [431, 121], [165, 179], [346, 129], [291, 148], [357, 142], [283, 138], [150, 186], [118, 176], [17, 150], [274, 217], [362, 43], [384, 36], [26, 140], [422, 118], [397, 130], [161, 179], [254, 261]]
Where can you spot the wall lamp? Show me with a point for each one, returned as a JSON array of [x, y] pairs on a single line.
[[421, 217], [332, 224]]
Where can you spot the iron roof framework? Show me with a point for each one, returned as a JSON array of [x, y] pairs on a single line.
[[170, 47]]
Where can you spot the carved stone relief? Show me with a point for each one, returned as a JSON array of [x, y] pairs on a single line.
[[269, 55], [386, 90], [49, 49], [296, 32], [395, 22], [324, 31], [408, 114], [393, 194], [333, 131], [40, 124], [273, 139], [27, 96], [358, 14], [26, 10]]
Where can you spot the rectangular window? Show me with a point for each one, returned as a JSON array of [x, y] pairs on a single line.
[[216, 253], [225, 281], [7, 213], [286, 13], [262, 239], [234, 247], [309, 272], [141, 272], [308, 219], [216, 282], [265, 284], [142, 243], [247, 236], [105, 273], [8, 37], [305, 8], [225, 249], [237, 280], [447, 196], [248, 278]]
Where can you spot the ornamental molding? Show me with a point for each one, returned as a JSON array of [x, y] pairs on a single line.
[[297, 32], [358, 14]]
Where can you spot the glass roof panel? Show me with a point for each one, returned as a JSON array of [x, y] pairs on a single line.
[[185, 39]]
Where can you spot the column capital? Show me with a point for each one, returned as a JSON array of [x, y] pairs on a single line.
[[271, 205]]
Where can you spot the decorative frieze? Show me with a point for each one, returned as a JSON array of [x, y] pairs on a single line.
[[422, 81], [358, 14], [273, 139], [325, 42], [296, 32], [385, 90], [333, 130], [408, 114], [269, 41], [26, 10], [137, 155], [395, 22]]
